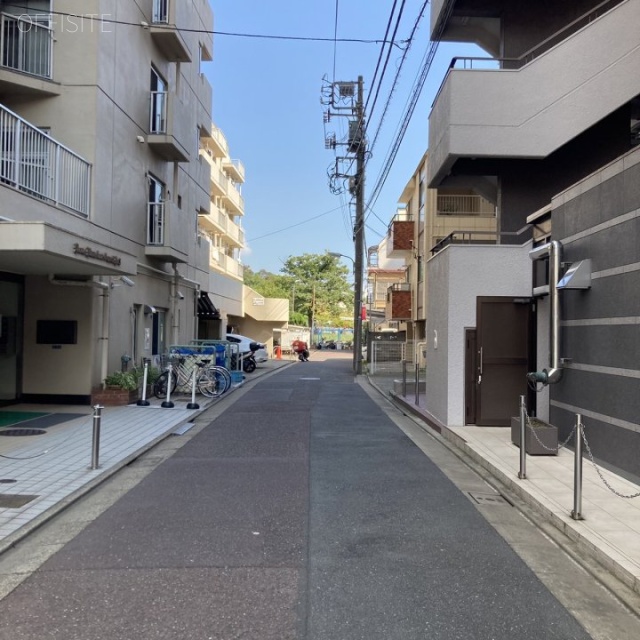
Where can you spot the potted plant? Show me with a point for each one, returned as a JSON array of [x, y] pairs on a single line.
[[541, 438], [118, 388]]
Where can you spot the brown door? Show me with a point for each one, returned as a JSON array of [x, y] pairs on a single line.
[[470, 370], [503, 347]]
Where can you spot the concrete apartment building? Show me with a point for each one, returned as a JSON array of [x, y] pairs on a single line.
[[427, 220], [102, 183], [230, 305], [549, 133]]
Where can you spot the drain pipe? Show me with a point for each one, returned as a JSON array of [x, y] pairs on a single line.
[[174, 305], [104, 329], [554, 374]]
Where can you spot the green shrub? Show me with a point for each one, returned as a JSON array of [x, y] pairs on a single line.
[[122, 379]]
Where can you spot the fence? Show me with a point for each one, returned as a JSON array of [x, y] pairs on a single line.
[[386, 358]]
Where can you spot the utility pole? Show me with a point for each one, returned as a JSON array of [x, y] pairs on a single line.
[[347, 99], [358, 231]]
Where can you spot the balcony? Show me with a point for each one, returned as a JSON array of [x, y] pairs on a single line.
[[164, 121], [166, 34], [219, 223], [26, 46], [401, 233], [398, 305], [37, 165], [219, 182], [217, 143], [234, 169], [224, 263], [234, 201], [167, 233], [465, 205], [534, 105]]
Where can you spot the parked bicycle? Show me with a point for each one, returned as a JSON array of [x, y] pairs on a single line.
[[211, 380]]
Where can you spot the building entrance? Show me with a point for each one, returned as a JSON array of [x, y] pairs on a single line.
[[11, 315]]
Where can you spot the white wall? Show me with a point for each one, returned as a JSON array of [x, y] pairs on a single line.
[[457, 276]]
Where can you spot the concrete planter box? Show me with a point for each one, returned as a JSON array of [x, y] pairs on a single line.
[[546, 434], [113, 397]]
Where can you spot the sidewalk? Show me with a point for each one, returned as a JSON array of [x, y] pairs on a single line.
[[42, 474], [610, 530]]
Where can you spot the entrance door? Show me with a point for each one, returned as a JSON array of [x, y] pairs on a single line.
[[503, 349], [11, 293]]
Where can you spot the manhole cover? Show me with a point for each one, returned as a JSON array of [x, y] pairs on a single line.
[[22, 432], [488, 498], [7, 481], [10, 501]]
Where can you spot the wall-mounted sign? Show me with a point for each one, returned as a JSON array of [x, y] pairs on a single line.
[[88, 252], [258, 302]]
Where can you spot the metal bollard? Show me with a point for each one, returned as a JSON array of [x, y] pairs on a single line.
[[167, 404], [417, 384], [95, 445], [576, 514], [404, 378], [522, 474], [143, 402], [193, 404]]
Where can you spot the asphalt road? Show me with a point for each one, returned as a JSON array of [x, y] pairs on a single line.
[[304, 509]]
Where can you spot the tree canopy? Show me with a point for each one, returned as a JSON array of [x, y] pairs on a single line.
[[316, 286]]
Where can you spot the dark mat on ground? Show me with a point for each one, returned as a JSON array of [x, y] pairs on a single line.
[[43, 420]]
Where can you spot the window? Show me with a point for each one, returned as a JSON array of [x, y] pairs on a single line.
[[158, 115], [155, 229]]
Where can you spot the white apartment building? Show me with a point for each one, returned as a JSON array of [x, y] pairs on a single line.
[[102, 183]]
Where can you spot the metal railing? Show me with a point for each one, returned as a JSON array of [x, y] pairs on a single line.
[[158, 112], [155, 227], [160, 11], [465, 237], [33, 162], [26, 43], [465, 205]]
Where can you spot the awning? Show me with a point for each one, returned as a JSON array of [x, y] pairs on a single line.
[[206, 308]]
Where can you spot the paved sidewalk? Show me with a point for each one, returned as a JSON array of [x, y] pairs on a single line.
[[41, 475], [610, 530]]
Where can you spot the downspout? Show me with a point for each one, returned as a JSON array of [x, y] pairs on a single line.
[[174, 305], [554, 374], [104, 329]]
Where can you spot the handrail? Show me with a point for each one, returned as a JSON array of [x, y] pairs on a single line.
[[543, 46]]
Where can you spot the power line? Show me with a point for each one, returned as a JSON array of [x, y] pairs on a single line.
[[272, 233], [102, 18]]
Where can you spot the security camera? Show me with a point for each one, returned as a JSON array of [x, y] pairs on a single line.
[[128, 281], [180, 295], [140, 139]]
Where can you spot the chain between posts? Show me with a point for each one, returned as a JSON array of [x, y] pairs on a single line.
[[542, 444], [604, 480]]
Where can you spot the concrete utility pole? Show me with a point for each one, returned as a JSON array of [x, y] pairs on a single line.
[[346, 99], [358, 231]]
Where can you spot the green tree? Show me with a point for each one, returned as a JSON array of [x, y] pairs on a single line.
[[319, 287], [269, 285]]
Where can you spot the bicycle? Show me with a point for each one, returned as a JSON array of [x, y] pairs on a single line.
[[211, 380]]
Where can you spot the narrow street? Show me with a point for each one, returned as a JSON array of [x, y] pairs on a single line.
[[305, 508]]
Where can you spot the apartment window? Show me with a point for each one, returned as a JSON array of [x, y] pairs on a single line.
[[27, 36], [158, 115], [155, 213]]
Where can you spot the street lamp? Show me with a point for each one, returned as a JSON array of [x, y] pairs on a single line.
[[357, 316]]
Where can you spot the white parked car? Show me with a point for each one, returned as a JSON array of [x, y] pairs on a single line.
[[261, 354]]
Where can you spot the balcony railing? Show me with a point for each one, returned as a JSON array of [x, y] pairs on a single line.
[[161, 11], [155, 227], [469, 205], [26, 43], [158, 114], [36, 164]]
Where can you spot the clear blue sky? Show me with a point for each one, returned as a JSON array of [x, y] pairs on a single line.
[[266, 100]]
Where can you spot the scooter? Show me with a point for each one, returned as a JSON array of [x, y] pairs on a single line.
[[249, 363]]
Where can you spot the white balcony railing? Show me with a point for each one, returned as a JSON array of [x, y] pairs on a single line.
[[26, 43], [155, 226], [158, 113], [160, 11], [469, 205], [33, 162]]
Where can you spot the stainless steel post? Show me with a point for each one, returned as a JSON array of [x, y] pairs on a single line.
[[167, 404], [95, 445], [143, 402], [522, 474], [404, 378], [417, 384], [576, 514]]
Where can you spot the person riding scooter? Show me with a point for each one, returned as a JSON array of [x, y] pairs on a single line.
[[300, 347]]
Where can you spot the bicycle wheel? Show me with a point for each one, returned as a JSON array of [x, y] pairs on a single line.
[[161, 384], [211, 383], [225, 374]]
